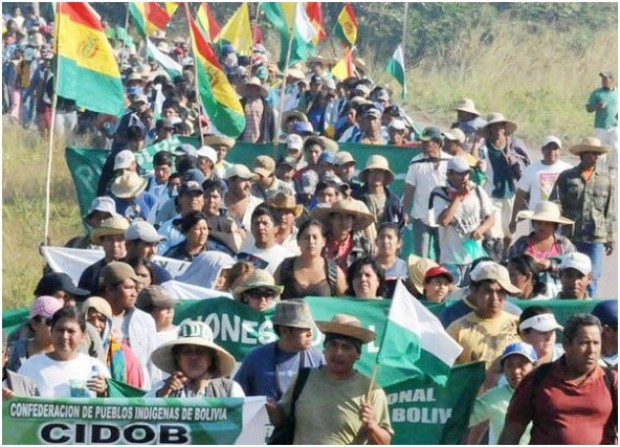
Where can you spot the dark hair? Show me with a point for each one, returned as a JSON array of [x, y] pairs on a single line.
[[172, 102], [532, 311], [135, 133], [68, 313], [213, 185], [576, 321], [189, 221], [182, 127], [311, 223], [355, 269], [263, 210], [311, 141], [526, 265], [187, 163], [162, 158], [141, 261], [326, 183], [390, 226], [176, 352]]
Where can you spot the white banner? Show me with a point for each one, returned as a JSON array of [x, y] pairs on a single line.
[[184, 291]]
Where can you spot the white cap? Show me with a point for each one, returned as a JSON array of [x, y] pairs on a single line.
[[541, 322], [294, 141], [455, 134], [487, 270], [552, 139], [329, 83], [144, 231], [396, 125], [124, 159], [208, 152], [577, 261], [458, 164]]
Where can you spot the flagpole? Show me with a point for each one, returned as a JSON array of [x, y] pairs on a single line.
[[249, 74], [50, 149], [189, 18], [276, 140], [126, 26], [404, 28], [372, 382]]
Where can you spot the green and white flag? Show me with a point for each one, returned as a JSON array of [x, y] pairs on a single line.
[[396, 67], [172, 67], [414, 342]]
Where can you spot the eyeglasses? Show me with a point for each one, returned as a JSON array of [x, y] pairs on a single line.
[[257, 294]]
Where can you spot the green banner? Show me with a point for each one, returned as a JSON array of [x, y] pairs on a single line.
[[134, 421]]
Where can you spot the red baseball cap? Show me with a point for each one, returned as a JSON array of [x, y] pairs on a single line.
[[433, 272]]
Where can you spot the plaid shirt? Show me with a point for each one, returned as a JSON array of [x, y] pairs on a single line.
[[591, 204]]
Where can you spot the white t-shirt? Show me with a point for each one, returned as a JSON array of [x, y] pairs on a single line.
[[53, 377], [538, 180], [424, 177], [270, 257], [468, 217]]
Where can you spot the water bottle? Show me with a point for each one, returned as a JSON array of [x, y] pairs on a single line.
[[94, 372]]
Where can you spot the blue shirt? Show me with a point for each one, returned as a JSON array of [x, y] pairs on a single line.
[[503, 186]]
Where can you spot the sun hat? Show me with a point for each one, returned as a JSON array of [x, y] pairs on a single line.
[[436, 271], [552, 139], [143, 231], [104, 204], [129, 185], [165, 123], [116, 272], [207, 152], [109, 227], [607, 312], [343, 157], [357, 101], [98, 303], [546, 211], [155, 296], [542, 322], [264, 166], [326, 157], [294, 142], [259, 278], [455, 134], [494, 272], [219, 140], [363, 217], [194, 333], [240, 171], [431, 133], [577, 261], [45, 306], [348, 326], [467, 105], [589, 144], [293, 313], [124, 159], [397, 124], [255, 82], [329, 144], [417, 267], [519, 348], [295, 73], [377, 162], [53, 282], [286, 202], [293, 114], [459, 165], [494, 118]]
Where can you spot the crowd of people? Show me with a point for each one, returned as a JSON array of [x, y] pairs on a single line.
[[315, 223]]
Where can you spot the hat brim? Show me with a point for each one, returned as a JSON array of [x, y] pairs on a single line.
[[416, 280], [508, 287], [263, 172], [121, 190], [243, 89], [218, 140], [238, 291], [293, 114], [297, 209], [362, 220], [389, 175], [581, 148], [99, 233], [511, 127], [467, 110], [542, 217], [163, 359], [359, 333]]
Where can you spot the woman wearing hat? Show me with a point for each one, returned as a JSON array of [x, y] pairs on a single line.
[[197, 366], [537, 326], [543, 243], [338, 405], [258, 290], [382, 202], [345, 221]]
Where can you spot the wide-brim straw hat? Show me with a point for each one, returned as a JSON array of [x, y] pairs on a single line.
[[129, 185], [377, 162], [108, 227], [219, 140], [347, 325], [589, 144], [495, 118], [258, 278], [194, 333], [255, 82], [417, 267], [286, 202], [295, 73], [546, 211], [467, 105], [363, 217], [301, 116]]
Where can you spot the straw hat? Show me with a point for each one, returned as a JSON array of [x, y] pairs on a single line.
[[296, 74], [546, 211], [111, 226], [293, 313], [363, 217], [255, 82], [418, 267], [589, 144], [377, 162], [495, 118], [286, 202], [219, 140], [467, 105], [194, 333], [347, 325], [129, 185], [258, 278]]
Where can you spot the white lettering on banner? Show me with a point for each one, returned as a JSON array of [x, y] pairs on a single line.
[[421, 415], [232, 328], [51, 411], [412, 395], [61, 433], [210, 414], [371, 347]]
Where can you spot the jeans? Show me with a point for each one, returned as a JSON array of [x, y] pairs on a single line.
[[595, 252], [423, 237]]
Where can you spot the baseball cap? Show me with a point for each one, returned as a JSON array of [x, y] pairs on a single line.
[[436, 271], [143, 231], [140, 97], [294, 141], [154, 296], [309, 180], [105, 204], [329, 83], [240, 171], [189, 187], [396, 125], [342, 158], [607, 312], [194, 175], [492, 271], [552, 139], [326, 157], [124, 159], [207, 152], [302, 128], [458, 164], [116, 272], [57, 281], [363, 89], [431, 133], [541, 322], [186, 149], [288, 161], [577, 261], [264, 165], [166, 123], [45, 306], [606, 74], [520, 348], [372, 112]]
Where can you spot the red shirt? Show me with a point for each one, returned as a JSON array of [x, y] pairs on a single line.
[[339, 252], [563, 412]]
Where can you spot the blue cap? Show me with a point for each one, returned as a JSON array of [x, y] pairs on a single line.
[[195, 175], [520, 348], [327, 157], [302, 128], [607, 312]]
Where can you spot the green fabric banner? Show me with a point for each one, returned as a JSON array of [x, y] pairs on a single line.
[[134, 421]]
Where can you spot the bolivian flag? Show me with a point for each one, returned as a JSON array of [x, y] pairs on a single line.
[[149, 17], [87, 70], [218, 96], [346, 26], [207, 23]]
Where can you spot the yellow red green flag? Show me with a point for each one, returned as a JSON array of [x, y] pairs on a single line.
[[346, 26]]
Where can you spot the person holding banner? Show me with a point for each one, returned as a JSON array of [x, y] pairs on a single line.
[[338, 405], [197, 366]]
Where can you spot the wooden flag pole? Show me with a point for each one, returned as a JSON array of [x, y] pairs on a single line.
[[373, 378], [196, 86], [249, 73]]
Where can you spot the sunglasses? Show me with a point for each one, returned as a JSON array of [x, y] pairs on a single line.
[[261, 293]]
